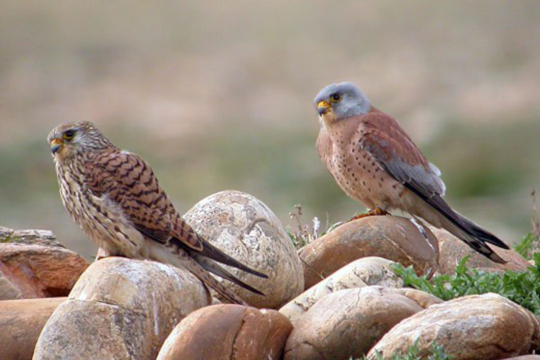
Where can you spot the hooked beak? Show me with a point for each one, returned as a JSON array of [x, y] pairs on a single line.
[[56, 144], [323, 107]]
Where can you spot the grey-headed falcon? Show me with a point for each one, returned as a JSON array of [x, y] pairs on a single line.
[[376, 163], [114, 196]]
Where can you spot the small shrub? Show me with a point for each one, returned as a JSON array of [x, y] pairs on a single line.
[[528, 245], [522, 288]]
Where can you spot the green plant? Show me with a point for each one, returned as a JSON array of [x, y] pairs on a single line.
[[528, 245], [531, 242], [522, 288]]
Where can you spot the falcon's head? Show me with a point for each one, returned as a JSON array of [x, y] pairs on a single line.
[[68, 139], [341, 101]]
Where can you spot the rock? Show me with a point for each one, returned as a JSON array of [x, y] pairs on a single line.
[[423, 299], [228, 332], [451, 250], [474, 327], [33, 265], [390, 237], [362, 272], [120, 309], [347, 323], [245, 228], [525, 357], [21, 322], [29, 237]]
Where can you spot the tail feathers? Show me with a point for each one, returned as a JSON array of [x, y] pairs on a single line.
[[480, 246], [463, 228], [214, 268], [212, 252], [180, 258], [480, 233], [474, 236], [212, 282]]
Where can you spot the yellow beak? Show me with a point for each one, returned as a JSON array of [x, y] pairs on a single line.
[[323, 107], [56, 144]]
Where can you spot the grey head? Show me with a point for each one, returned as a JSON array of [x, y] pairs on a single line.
[[343, 100]]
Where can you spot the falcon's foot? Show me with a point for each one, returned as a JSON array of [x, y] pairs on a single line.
[[102, 254], [373, 212]]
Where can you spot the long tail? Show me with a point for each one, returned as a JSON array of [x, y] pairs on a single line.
[[472, 234], [212, 252], [214, 268], [209, 253], [208, 250], [176, 256], [476, 238], [203, 275]]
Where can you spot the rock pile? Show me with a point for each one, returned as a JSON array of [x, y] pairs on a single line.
[[337, 298]]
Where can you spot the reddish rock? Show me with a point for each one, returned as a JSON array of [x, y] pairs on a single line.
[[451, 250], [28, 270], [21, 322], [389, 237], [228, 332]]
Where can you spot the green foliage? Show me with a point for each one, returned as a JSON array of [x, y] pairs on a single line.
[[528, 245], [522, 288], [414, 353]]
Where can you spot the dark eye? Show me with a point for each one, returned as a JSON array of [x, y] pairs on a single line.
[[335, 97], [68, 135]]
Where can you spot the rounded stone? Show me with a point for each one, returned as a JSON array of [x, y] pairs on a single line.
[[394, 238], [30, 271], [246, 229], [474, 327], [120, 308], [347, 323], [451, 249], [228, 332], [21, 322], [360, 273]]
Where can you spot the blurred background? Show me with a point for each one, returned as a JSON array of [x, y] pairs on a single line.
[[219, 96]]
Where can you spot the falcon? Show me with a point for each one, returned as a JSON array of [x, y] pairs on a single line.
[[115, 198], [375, 163]]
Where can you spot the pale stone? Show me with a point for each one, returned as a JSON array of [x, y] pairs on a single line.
[[362, 272], [475, 327], [246, 229], [347, 323], [120, 308]]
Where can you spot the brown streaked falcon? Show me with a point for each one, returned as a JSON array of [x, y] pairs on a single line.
[[114, 196], [374, 161]]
